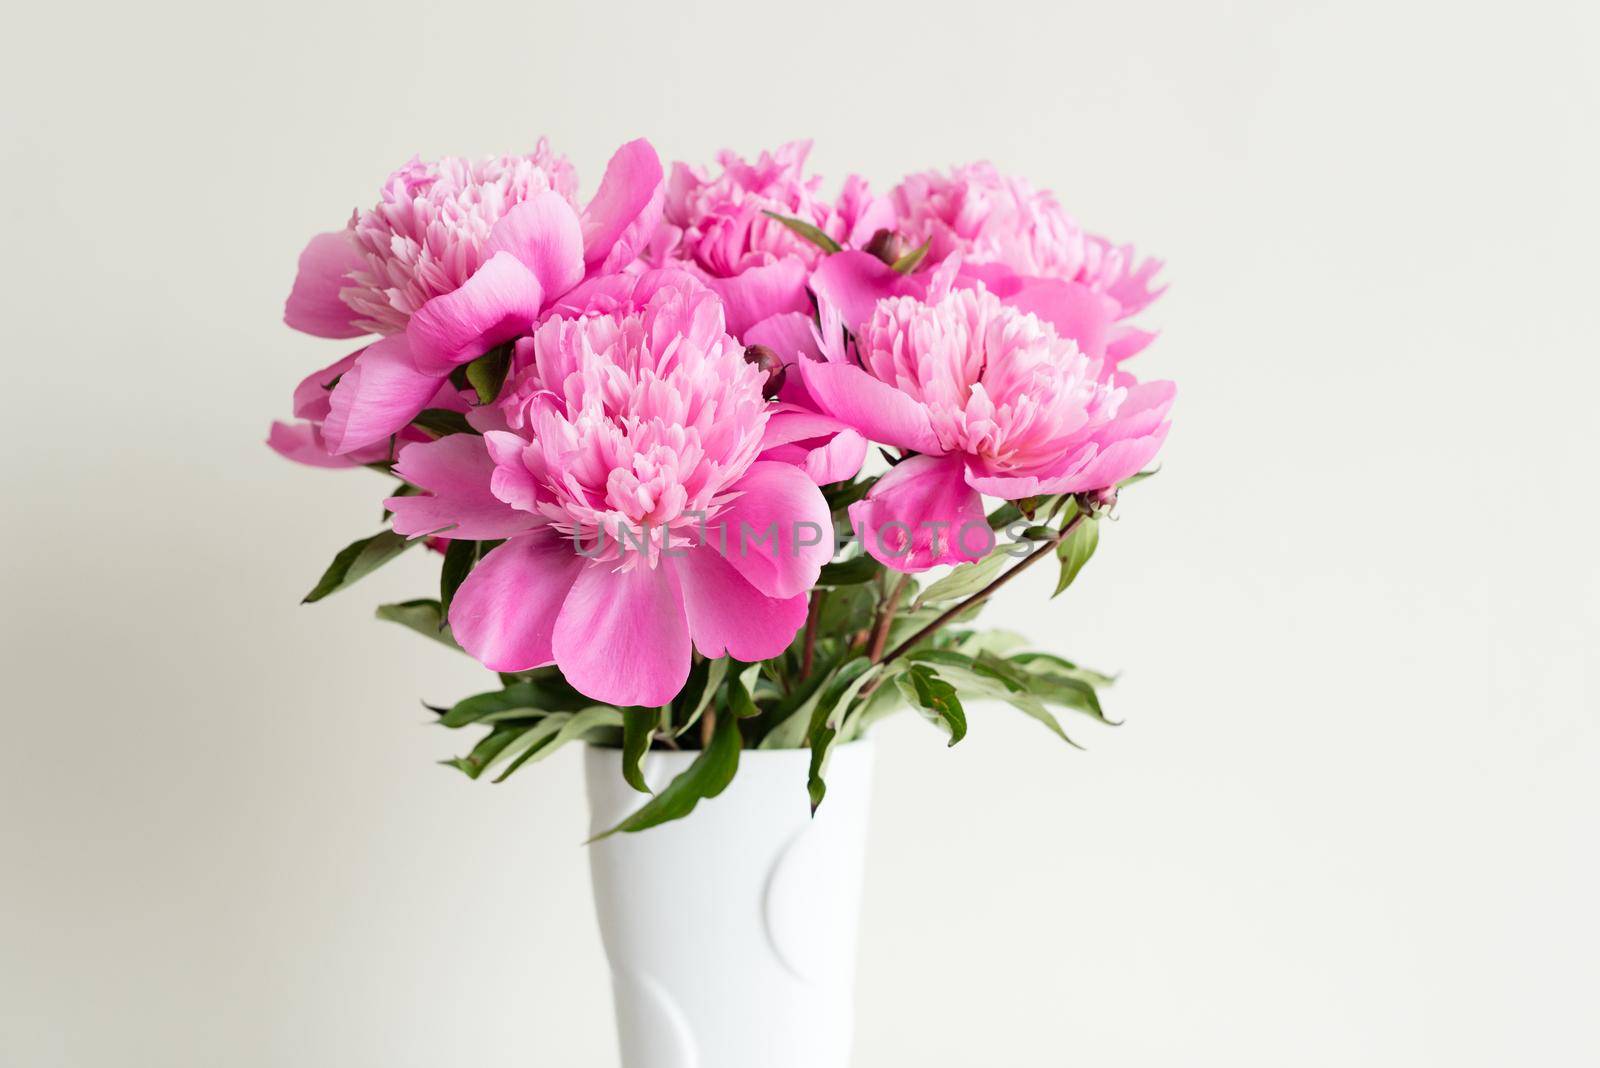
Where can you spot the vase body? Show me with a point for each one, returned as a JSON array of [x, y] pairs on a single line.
[[732, 933]]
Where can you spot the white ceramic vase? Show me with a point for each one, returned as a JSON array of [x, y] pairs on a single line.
[[732, 933]]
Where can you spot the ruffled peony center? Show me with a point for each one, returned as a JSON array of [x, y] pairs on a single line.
[[997, 383], [426, 235]]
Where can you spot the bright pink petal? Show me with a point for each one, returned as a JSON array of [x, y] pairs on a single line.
[[456, 471], [1117, 461], [622, 636], [544, 234], [1076, 311], [505, 613], [302, 443], [499, 302], [778, 532], [730, 617], [922, 514], [311, 395], [762, 292], [875, 408], [314, 306], [625, 212], [853, 282], [792, 335], [377, 397], [826, 449]]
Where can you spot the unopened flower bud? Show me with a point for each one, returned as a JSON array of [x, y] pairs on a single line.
[[770, 365], [885, 246]]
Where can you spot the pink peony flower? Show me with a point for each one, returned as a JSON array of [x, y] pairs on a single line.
[[990, 219], [474, 254], [718, 228], [626, 476], [985, 398]]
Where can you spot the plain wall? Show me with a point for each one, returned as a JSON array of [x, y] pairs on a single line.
[[1351, 816]]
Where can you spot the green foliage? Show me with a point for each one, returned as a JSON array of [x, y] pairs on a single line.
[[913, 259], [356, 561], [707, 777]]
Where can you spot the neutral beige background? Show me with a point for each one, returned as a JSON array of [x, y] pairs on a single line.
[[1351, 819]]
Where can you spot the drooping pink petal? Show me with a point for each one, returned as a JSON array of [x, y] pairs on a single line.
[[823, 447], [762, 292], [622, 636], [922, 514], [456, 471], [505, 613], [624, 213], [878, 410], [853, 282], [730, 617], [311, 395], [314, 306], [380, 393], [302, 443], [545, 235], [1127, 341], [778, 532], [1117, 461], [499, 302]]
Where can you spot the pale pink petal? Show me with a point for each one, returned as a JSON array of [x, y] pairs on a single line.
[[730, 617], [853, 282], [314, 306], [875, 408], [499, 302], [302, 443], [922, 514], [622, 636], [456, 471], [826, 449], [1127, 341], [624, 213], [1117, 461], [544, 233], [377, 396], [778, 532], [762, 292], [505, 613]]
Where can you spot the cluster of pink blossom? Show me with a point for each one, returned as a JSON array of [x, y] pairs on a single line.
[[616, 392]]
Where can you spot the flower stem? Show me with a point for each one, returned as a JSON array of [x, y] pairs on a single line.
[[985, 593], [809, 650], [880, 633]]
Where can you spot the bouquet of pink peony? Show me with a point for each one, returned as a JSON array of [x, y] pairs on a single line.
[[685, 448]]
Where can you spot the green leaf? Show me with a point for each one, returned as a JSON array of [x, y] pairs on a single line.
[[826, 717], [1075, 549], [1069, 693], [520, 699], [441, 422], [697, 694], [1134, 480], [357, 560], [852, 572], [459, 560], [707, 777], [807, 231], [913, 259], [740, 701], [488, 748], [841, 495], [936, 695], [573, 726], [966, 579], [425, 616], [638, 728], [487, 373]]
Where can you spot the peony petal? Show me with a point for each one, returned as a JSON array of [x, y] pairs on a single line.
[[922, 514], [853, 282], [311, 395], [499, 302], [622, 636], [778, 532], [505, 613], [302, 443], [826, 449], [730, 617], [762, 292], [1076, 311], [876, 409], [625, 212], [377, 397], [314, 306], [1117, 461], [542, 232], [456, 471]]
